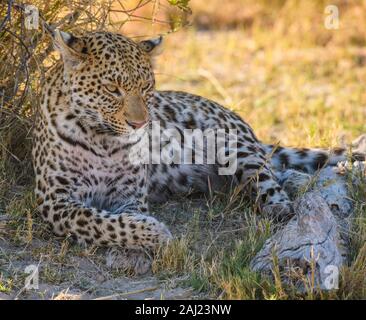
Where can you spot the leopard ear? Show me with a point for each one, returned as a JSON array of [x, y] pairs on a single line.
[[152, 46], [71, 48]]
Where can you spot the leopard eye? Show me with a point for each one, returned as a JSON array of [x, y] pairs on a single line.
[[113, 89]]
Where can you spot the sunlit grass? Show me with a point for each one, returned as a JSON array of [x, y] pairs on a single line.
[[306, 97]]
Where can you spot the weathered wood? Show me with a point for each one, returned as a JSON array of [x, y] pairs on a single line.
[[310, 241], [316, 239], [359, 145]]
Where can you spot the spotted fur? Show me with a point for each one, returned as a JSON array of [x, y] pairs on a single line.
[[92, 102]]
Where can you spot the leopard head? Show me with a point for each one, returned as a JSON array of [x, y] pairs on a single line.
[[108, 79]]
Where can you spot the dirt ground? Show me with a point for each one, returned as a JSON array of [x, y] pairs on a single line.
[[68, 271], [81, 274], [85, 278]]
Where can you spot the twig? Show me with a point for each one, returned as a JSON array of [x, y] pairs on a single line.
[[125, 294], [8, 15]]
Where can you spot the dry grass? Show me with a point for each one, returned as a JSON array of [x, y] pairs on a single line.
[[276, 65]]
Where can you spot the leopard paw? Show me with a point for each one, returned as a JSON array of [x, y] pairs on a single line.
[[134, 262], [280, 212]]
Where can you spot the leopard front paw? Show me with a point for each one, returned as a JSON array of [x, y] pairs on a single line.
[[279, 212], [135, 262], [148, 232]]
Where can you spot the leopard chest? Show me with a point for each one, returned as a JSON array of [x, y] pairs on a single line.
[[100, 178]]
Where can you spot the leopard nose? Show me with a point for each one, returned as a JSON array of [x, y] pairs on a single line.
[[137, 124]]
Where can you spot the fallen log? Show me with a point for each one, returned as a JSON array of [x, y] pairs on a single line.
[[316, 240], [311, 241], [359, 145]]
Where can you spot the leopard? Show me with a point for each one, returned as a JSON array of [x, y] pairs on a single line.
[[96, 104]]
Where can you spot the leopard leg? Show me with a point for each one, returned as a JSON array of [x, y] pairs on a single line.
[[100, 227], [253, 170]]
